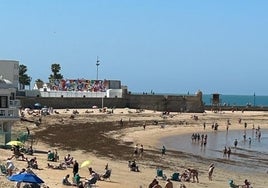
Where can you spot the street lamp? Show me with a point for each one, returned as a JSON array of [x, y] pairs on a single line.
[[97, 64], [30, 82]]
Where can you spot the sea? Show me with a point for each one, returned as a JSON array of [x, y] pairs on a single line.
[[247, 156], [238, 100]]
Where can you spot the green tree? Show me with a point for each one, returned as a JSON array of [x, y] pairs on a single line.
[[39, 83], [55, 68], [24, 78]]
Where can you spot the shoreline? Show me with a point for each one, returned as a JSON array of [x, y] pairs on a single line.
[[127, 137]]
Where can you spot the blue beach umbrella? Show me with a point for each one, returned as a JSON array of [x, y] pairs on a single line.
[[26, 177], [37, 106]]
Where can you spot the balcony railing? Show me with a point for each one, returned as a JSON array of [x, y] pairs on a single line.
[[14, 103], [9, 113]]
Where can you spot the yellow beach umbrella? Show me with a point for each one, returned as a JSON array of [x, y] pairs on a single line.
[[85, 163], [14, 143]]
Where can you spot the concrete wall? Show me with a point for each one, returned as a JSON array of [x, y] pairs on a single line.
[[151, 102], [62, 103]]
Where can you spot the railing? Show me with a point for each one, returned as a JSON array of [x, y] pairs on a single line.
[[14, 103], [9, 113]]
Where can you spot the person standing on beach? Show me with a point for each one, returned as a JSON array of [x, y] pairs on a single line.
[[210, 171], [136, 150], [225, 151], [75, 167], [235, 143], [163, 151], [144, 125], [121, 122], [141, 151], [229, 152]]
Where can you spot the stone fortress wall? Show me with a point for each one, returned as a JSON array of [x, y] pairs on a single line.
[[169, 103]]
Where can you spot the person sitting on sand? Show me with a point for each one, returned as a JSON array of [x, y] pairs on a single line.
[[10, 167], [55, 156], [168, 184], [65, 180], [68, 160], [59, 167], [133, 166], [157, 185], [232, 184], [93, 173], [77, 179], [32, 163], [29, 151], [153, 183], [185, 176], [92, 180], [246, 184], [17, 153]]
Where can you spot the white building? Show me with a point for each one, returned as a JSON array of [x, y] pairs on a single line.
[[9, 109], [9, 69]]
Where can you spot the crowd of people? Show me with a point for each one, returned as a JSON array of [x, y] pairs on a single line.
[[200, 139]]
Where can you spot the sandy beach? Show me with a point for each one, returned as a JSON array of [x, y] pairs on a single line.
[[100, 138]]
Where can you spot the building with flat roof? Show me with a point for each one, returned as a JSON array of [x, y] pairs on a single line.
[[9, 109], [9, 69]]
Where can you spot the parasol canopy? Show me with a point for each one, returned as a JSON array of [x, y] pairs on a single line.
[[26, 177], [15, 143], [85, 163]]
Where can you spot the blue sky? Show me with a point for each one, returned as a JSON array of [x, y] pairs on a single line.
[[166, 46]]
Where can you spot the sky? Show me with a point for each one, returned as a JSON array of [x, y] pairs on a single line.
[[162, 46]]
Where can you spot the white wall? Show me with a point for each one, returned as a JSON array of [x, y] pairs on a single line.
[[9, 69]]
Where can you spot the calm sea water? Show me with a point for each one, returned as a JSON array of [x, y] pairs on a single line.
[[238, 100], [246, 157]]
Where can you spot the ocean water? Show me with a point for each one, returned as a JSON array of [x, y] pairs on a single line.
[[238, 100], [246, 157]]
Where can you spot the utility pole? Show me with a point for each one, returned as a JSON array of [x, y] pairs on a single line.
[[97, 64]]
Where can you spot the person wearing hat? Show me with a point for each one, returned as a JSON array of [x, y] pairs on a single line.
[[168, 184]]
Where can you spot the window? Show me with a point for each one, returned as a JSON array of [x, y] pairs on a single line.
[[2, 113], [10, 113], [12, 96], [3, 102]]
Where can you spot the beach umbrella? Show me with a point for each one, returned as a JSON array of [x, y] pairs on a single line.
[[14, 143], [26, 177], [85, 163], [37, 106]]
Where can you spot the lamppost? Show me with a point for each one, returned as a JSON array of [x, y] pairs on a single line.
[[30, 83], [97, 64]]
